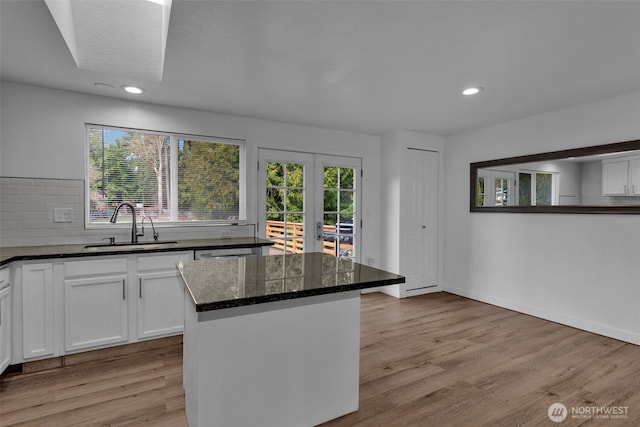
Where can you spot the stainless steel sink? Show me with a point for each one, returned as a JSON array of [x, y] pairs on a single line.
[[105, 247]]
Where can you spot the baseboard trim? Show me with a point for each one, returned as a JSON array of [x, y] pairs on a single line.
[[92, 355], [574, 322]]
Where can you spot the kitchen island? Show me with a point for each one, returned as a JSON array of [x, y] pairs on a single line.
[[273, 340]]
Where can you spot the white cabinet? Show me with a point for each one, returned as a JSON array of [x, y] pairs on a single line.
[[77, 304], [5, 319], [160, 296], [96, 307], [621, 176], [38, 337]]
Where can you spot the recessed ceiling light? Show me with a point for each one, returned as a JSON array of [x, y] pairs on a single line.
[[103, 85], [133, 89], [471, 91]]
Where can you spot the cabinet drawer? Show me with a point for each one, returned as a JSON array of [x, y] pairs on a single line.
[[95, 267], [162, 262]]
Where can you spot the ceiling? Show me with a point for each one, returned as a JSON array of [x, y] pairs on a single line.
[[363, 66]]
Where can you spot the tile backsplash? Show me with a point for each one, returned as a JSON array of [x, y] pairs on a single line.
[[27, 207]]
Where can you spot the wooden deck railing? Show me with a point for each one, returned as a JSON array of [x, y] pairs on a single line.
[[292, 237]]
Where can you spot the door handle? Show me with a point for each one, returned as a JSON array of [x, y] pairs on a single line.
[[319, 230]]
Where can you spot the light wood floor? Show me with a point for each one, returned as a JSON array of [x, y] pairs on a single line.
[[434, 360]]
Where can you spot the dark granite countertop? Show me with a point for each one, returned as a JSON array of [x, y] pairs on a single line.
[[232, 282], [8, 255]]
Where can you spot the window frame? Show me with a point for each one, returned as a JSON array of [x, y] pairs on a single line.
[[242, 178], [534, 178]]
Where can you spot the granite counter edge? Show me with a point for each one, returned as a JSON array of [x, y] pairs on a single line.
[[76, 251], [219, 305]]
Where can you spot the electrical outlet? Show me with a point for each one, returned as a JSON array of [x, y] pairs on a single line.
[[371, 261], [62, 215], [225, 234]]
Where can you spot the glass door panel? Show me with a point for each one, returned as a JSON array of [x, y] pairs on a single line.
[[285, 205], [284, 179], [309, 202], [340, 204]]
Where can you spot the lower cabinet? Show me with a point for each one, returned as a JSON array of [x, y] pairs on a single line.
[[95, 312], [96, 306], [5, 320], [160, 295], [38, 337], [78, 304]]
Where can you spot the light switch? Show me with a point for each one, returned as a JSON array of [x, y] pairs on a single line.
[[62, 215]]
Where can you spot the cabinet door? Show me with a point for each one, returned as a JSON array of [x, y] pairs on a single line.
[[95, 311], [160, 294], [37, 310], [160, 304], [5, 328], [615, 178], [634, 165]]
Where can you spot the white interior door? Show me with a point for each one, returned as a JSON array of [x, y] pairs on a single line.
[[309, 202], [421, 219]]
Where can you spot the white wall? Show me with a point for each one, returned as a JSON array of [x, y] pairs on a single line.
[[581, 270], [42, 136]]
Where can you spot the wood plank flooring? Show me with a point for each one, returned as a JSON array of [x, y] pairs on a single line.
[[121, 388], [433, 360]]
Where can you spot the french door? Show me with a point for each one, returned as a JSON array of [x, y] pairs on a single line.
[[309, 202]]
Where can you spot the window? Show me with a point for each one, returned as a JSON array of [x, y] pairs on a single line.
[[536, 188], [168, 177]]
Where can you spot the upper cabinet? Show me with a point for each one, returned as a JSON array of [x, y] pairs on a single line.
[[621, 176]]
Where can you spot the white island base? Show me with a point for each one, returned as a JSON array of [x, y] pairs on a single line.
[[284, 363]]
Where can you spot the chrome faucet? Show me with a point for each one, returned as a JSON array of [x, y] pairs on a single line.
[[134, 227]]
